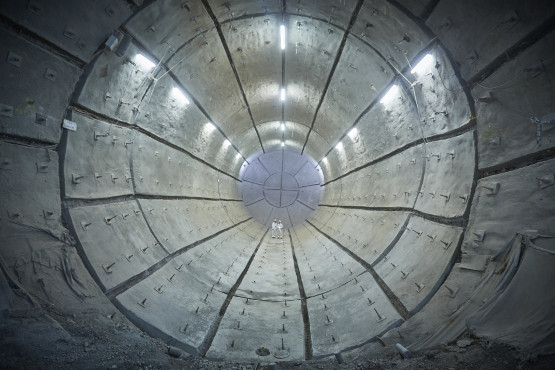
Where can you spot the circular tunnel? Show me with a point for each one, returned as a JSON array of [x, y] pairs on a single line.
[[407, 149]]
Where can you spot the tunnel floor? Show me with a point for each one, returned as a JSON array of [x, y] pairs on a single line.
[[146, 146]]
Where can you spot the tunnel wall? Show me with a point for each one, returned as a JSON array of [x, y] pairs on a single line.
[[447, 175], [371, 176]]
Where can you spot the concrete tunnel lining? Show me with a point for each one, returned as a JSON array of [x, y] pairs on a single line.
[[400, 187]]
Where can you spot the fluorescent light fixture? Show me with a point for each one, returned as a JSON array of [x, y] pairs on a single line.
[[424, 66], [282, 94], [282, 36], [144, 63], [339, 146], [282, 144], [390, 95], [178, 95], [283, 127], [353, 133]]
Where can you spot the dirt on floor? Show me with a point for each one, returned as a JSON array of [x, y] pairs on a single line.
[[109, 341]]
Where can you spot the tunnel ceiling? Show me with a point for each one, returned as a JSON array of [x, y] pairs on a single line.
[[384, 134], [226, 58]]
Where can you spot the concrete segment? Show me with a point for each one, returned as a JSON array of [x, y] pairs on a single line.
[[472, 46], [188, 282], [34, 173], [169, 117], [261, 324], [97, 159], [350, 90], [419, 260], [323, 267], [166, 30], [255, 54], [272, 275], [216, 91], [37, 88], [402, 174], [511, 95], [67, 24], [229, 11], [495, 216], [381, 230], [178, 223], [119, 85], [353, 319], [247, 326], [390, 32], [304, 36], [161, 170], [115, 241], [450, 163], [401, 190]]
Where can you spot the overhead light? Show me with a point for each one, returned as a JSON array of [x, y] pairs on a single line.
[[210, 126], [282, 94], [391, 93], [144, 63], [283, 127], [177, 94], [282, 144], [282, 36], [339, 146], [424, 66], [353, 133]]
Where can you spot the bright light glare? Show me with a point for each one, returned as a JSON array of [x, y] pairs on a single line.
[[282, 36], [424, 66], [390, 95], [226, 143], [144, 63], [238, 156], [339, 146], [282, 144], [325, 160], [177, 94], [210, 126], [283, 127], [282, 95], [353, 133]]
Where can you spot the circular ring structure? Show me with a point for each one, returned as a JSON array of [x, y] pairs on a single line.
[[281, 185]]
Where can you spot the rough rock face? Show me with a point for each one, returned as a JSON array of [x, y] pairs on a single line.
[[147, 146]]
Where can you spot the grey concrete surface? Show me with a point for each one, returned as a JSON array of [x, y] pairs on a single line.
[[352, 319], [507, 95], [344, 225], [406, 218], [187, 283], [115, 241], [281, 185], [30, 74], [306, 37], [97, 160], [504, 26], [75, 29], [410, 275]]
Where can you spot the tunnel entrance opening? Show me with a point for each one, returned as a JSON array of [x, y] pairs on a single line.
[[281, 184]]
